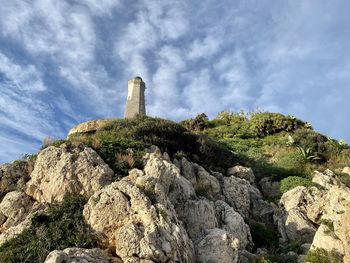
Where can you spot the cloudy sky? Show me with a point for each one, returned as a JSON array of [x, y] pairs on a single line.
[[63, 62]]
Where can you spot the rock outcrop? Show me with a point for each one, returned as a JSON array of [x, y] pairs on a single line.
[[16, 211], [14, 176], [89, 126], [63, 170], [80, 255], [317, 215]]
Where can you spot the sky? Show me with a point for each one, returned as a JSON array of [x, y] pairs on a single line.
[[63, 62]]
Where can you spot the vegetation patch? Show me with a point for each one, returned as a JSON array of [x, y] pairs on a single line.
[[62, 227], [263, 235], [294, 181], [322, 256]]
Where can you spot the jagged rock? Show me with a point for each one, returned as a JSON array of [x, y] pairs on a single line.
[[325, 179], [124, 218], [198, 216], [217, 246], [80, 255], [242, 172], [62, 170], [246, 199], [203, 182], [298, 227], [325, 238], [292, 222], [269, 187], [206, 184], [233, 223], [16, 212], [237, 194], [14, 176], [89, 126]]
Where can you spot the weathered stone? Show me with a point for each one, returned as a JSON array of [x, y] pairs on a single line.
[[14, 176], [64, 170], [217, 246], [198, 216], [242, 172], [80, 255], [237, 194], [326, 239], [206, 184], [124, 217], [233, 223], [269, 187], [16, 211], [90, 126]]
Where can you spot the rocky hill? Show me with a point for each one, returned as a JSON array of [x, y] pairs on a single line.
[[239, 188]]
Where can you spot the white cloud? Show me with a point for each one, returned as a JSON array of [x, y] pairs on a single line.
[[25, 77]]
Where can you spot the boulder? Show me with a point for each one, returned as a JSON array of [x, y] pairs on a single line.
[[124, 218], [231, 221], [89, 126], [14, 176], [80, 255], [242, 172], [326, 239], [237, 194], [16, 211], [206, 184], [63, 170], [217, 246], [269, 187], [198, 216]]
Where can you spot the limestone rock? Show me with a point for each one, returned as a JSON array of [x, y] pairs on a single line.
[[269, 187], [62, 170], [198, 216], [124, 218], [206, 184], [326, 179], [89, 126], [217, 246], [298, 227], [325, 238], [245, 198], [14, 176], [346, 170], [242, 172], [237, 194], [80, 255], [233, 223], [16, 212]]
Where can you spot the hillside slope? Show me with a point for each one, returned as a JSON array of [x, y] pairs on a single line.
[[239, 188]]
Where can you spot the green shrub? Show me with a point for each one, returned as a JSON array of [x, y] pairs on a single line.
[[294, 181], [322, 256], [199, 123], [270, 123], [344, 178], [329, 223], [169, 136], [291, 161], [62, 227]]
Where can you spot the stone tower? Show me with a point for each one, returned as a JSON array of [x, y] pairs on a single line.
[[135, 102]]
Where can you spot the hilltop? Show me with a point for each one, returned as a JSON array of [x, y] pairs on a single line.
[[258, 187]]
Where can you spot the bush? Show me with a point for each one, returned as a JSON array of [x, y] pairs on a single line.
[[62, 227], [199, 123], [270, 123], [322, 256], [169, 136], [344, 178], [294, 181], [292, 161]]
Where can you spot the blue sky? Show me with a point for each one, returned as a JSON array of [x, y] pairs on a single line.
[[64, 62]]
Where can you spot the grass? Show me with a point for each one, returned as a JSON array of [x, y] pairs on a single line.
[[62, 227]]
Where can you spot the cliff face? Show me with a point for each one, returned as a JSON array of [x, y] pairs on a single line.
[[175, 210], [67, 205]]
